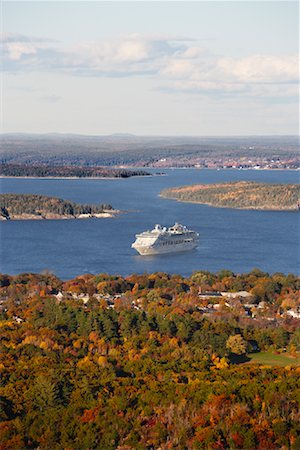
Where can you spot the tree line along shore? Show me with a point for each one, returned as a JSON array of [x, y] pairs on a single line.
[[33, 206], [240, 195], [63, 171], [136, 362]]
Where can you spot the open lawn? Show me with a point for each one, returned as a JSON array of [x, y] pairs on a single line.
[[272, 359]]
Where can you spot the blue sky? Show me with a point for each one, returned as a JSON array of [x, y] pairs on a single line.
[[151, 68]]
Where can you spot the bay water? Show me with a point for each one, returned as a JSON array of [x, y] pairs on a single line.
[[238, 240]]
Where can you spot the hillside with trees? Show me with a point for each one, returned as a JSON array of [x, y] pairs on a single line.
[[33, 206], [107, 362], [239, 194], [148, 151]]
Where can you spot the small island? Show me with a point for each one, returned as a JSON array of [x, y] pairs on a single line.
[[46, 171], [38, 207], [239, 195]]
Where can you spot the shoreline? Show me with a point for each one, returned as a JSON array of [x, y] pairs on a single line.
[[215, 168], [230, 207], [74, 178], [150, 175], [109, 214]]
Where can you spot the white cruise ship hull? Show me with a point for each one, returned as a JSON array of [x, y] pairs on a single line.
[[161, 250]]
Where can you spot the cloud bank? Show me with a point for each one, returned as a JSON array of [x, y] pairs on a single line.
[[174, 63]]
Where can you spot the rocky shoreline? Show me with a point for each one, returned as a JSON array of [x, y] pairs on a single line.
[[49, 216]]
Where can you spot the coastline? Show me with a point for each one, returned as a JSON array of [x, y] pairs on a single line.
[[107, 214], [239, 194], [150, 175], [75, 178], [231, 207]]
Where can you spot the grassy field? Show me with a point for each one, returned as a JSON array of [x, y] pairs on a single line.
[[271, 359]]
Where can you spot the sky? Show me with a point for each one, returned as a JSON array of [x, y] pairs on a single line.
[[202, 68]]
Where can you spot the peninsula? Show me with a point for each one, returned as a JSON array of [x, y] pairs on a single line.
[[239, 195], [63, 171], [33, 207]]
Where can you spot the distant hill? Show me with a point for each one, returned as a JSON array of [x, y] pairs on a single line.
[[32, 206], [141, 151], [240, 194]]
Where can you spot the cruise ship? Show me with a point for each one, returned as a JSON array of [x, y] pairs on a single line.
[[165, 240]]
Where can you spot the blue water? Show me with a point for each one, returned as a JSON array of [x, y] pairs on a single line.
[[232, 239]]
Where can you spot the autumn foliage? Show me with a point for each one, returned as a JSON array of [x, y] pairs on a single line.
[[106, 362]]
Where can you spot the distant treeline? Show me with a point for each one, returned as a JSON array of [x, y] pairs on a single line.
[[24, 170], [116, 150], [240, 194], [41, 205]]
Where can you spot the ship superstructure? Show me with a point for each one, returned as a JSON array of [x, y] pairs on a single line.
[[165, 240]]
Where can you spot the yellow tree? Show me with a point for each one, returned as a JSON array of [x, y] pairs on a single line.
[[236, 344]]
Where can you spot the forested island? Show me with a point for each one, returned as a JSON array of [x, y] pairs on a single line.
[[240, 195], [150, 361], [46, 171], [33, 206]]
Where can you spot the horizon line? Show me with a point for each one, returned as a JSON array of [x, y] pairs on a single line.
[[116, 134]]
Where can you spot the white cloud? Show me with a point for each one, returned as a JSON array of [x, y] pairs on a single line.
[[262, 76], [132, 50], [108, 56], [178, 68], [15, 46], [176, 64], [193, 52], [261, 68], [17, 49]]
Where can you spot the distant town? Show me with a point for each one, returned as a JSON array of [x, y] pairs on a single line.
[[129, 151], [245, 163]]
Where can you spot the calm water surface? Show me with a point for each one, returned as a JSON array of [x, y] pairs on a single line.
[[232, 239]]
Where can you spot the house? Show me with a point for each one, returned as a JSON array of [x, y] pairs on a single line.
[[208, 294], [18, 319], [59, 296], [239, 294], [295, 313]]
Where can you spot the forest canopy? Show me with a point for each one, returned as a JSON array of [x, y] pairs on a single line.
[[41, 171], [111, 362], [239, 194], [41, 206]]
